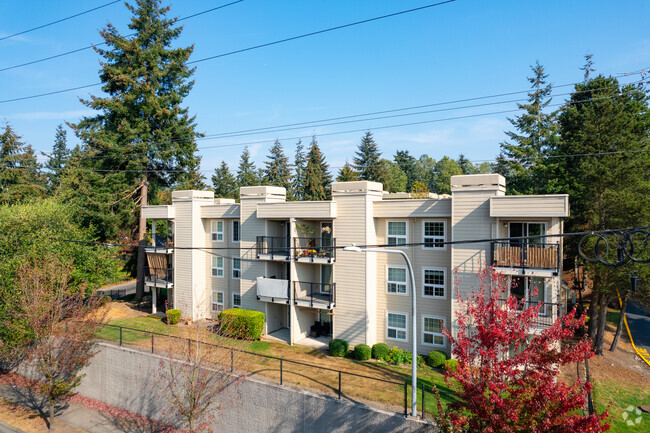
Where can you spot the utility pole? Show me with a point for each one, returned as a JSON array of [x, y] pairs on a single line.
[[139, 289]]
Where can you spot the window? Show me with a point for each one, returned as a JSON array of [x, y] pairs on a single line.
[[434, 234], [217, 231], [530, 291], [236, 300], [235, 231], [396, 280], [396, 233], [396, 328], [432, 330], [518, 230], [434, 282], [217, 266], [236, 267], [217, 301]]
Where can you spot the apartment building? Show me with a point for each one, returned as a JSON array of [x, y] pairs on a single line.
[[285, 258]]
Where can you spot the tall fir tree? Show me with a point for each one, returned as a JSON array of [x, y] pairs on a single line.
[[278, 170], [367, 161], [408, 164], [224, 183], [58, 159], [347, 174], [19, 171], [317, 176], [299, 165], [247, 173], [522, 158]]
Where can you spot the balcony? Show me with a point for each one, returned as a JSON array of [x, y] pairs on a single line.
[[315, 250], [273, 248], [515, 254], [548, 312], [159, 277], [314, 295], [160, 243], [273, 290]]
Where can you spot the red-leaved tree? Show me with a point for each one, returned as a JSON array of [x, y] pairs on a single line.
[[507, 374]]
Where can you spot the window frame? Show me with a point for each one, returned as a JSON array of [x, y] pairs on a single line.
[[232, 227], [405, 236], [406, 281], [215, 232], [444, 285], [216, 302], [236, 277], [434, 334], [233, 300], [444, 235], [215, 267], [405, 329]]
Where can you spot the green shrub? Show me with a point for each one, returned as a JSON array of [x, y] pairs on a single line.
[[396, 356], [241, 324], [362, 352], [339, 347], [436, 359], [380, 351], [173, 316], [451, 364], [104, 300]]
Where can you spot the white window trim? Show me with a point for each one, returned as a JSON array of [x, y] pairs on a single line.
[[232, 229], [216, 301], [444, 323], [215, 231], [233, 268], [444, 236], [406, 283], [406, 323], [218, 268], [233, 300], [406, 235], [444, 275]]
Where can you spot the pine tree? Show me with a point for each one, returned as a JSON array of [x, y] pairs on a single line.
[[58, 159], [278, 171], [298, 186], [408, 164], [247, 174], [19, 176], [224, 183], [317, 176], [367, 161], [536, 133], [347, 174]]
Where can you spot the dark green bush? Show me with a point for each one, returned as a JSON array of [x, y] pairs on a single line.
[[339, 347], [451, 364], [173, 316], [241, 324], [436, 359], [362, 352], [104, 300], [380, 351]]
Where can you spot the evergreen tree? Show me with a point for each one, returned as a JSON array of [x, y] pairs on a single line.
[[298, 185], [278, 171], [247, 174], [19, 176], [317, 176], [408, 164], [58, 159], [224, 183], [367, 161], [347, 174], [444, 170], [536, 133], [465, 165], [392, 176]]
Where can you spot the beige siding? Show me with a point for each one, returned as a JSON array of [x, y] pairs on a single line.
[[220, 211], [530, 206], [412, 208], [296, 209], [226, 249]]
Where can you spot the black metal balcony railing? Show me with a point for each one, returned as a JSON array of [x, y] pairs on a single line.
[[159, 276], [314, 293], [315, 248], [517, 254], [275, 246], [548, 312], [160, 242]]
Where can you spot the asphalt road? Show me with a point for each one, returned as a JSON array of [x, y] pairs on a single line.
[[639, 324]]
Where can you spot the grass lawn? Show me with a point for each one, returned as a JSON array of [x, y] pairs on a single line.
[[615, 398], [144, 323]]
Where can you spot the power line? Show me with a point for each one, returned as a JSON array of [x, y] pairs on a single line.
[[253, 47], [59, 21]]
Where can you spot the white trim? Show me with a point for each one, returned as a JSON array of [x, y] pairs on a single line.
[[215, 268], [444, 286], [405, 236], [233, 300], [444, 339], [444, 235], [405, 329], [232, 229], [217, 306], [236, 269], [406, 280], [217, 235]]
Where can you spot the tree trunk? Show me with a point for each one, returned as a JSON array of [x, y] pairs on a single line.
[[139, 289], [593, 316], [619, 327], [50, 426], [602, 323]]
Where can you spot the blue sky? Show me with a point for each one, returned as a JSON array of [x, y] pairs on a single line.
[[464, 49]]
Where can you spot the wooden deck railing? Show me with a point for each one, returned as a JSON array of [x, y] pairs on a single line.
[[521, 255]]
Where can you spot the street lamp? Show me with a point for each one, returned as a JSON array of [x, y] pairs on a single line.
[[414, 357]]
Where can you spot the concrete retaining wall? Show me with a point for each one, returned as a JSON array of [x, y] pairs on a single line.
[[124, 377]]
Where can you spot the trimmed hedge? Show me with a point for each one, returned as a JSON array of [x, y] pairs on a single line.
[[173, 316], [436, 359], [451, 364], [241, 324], [380, 351], [339, 347], [362, 352]]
